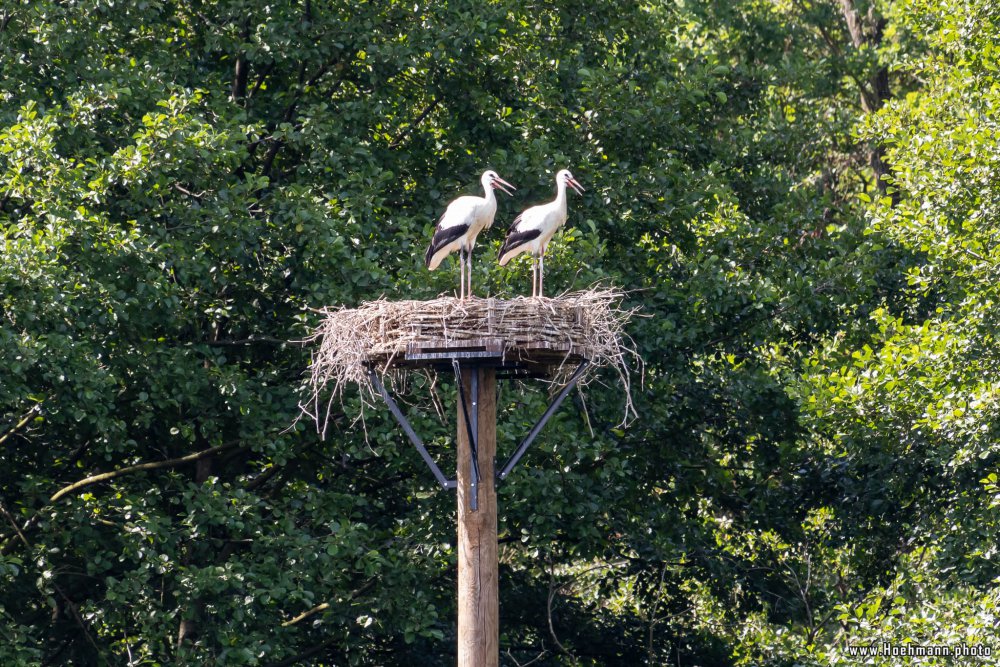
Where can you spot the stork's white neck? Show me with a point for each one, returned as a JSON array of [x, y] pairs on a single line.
[[488, 188], [560, 200]]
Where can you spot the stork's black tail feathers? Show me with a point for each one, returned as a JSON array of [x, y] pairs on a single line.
[[514, 239], [443, 237]]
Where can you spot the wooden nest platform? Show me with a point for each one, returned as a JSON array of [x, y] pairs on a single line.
[[529, 334], [521, 337]]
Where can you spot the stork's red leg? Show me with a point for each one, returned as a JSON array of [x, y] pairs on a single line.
[[461, 273], [541, 272], [468, 283], [534, 286]]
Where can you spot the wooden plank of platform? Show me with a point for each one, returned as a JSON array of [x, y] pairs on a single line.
[[514, 358], [443, 350]]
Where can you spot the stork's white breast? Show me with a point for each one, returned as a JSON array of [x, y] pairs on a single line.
[[472, 211]]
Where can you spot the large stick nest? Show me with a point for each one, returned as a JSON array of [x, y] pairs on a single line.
[[541, 335]]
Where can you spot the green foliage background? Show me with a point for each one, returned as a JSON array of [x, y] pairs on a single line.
[[815, 463]]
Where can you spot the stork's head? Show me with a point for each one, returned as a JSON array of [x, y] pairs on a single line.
[[564, 177], [491, 179]]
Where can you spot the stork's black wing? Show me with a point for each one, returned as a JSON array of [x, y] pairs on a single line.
[[442, 237], [515, 239]]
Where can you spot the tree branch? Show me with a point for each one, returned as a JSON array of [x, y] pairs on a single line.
[[241, 72], [74, 612], [17, 530], [326, 605], [247, 341], [853, 20], [823, 32], [553, 589], [25, 420], [261, 77], [272, 153], [182, 189], [538, 657], [309, 652], [395, 143], [155, 465], [306, 614]]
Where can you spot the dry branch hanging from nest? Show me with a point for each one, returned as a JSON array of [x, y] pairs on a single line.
[[540, 334]]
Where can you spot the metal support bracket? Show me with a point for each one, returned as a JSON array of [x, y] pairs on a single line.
[[536, 429], [410, 433], [472, 428]]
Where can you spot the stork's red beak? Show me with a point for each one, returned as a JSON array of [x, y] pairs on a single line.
[[576, 186], [501, 184]]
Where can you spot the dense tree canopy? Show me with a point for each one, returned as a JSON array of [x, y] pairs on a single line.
[[801, 196]]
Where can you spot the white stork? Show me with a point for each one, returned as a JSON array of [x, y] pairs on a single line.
[[459, 225], [533, 229]]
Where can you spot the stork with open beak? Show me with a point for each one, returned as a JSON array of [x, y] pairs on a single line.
[[459, 226], [533, 229]]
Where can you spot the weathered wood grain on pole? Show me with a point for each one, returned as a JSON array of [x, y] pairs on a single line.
[[478, 605]]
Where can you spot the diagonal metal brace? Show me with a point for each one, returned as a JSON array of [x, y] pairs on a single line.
[[472, 428], [410, 433], [536, 429]]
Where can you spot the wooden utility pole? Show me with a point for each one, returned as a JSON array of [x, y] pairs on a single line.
[[475, 339], [478, 602]]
